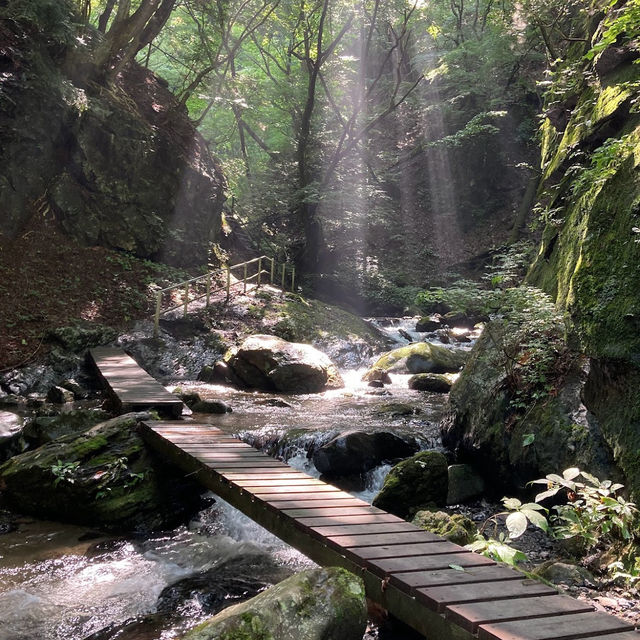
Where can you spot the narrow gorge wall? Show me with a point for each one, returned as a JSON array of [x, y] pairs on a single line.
[[119, 166]]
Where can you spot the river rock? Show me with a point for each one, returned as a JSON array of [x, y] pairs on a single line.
[[565, 574], [59, 395], [355, 452], [211, 406], [318, 604], [105, 478], [429, 323], [461, 319], [456, 528], [422, 357], [420, 481], [11, 426], [376, 374], [270, 363], [44, 428], [464, 484], [435, 382]]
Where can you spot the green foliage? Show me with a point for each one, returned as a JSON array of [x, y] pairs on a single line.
[[517, 517], [55, 18], [465, 296], [64, 472], [594, 513], [620, 21], [605, 162]]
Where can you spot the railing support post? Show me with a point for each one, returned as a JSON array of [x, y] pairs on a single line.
[[273, 266], [259, 271], [244, 289], [186, 299], [228, 283], [293, 279], [208, 288], [156, 319]]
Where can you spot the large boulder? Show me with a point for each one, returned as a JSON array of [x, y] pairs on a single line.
[[355, 452], [272, 364], [497, 425], [434, 382], [319, 604], [105, 477], [422, 357], [420, 481]]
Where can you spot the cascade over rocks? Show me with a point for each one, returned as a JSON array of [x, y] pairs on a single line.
[[356, 452], [419, 357], [105, 477], [272, 364], [318, 604]]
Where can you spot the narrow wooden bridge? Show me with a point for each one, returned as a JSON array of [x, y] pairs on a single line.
[[440, 589]]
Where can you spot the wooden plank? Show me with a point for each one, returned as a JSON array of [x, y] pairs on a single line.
[[438, 598], [238, 456], [364, 540], [406, 550], [355, 529], [579, 625], [432, 563], [230, 447], [471, 616], [263, 491], [260, 474], [623, 635], [228, 465], [367, 518], [274, 498], [309, 483], [412, 580], [341, 510], [304, 504]]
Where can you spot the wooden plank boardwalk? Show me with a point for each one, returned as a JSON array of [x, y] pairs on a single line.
[[130, 387], [440, 589]]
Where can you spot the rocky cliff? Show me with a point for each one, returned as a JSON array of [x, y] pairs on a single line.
[[586, 405], [118, 165]]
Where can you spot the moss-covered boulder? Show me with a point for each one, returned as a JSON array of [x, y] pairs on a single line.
[[319, 604], [456, 528], [427, 324], [272, 364], [356, 452], [464, 484], [420, 481], [104, 478], [422, 357], [513, 433], [43, 429], [434, 382]]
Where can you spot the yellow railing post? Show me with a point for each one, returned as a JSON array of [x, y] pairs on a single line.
[[208, 288], [259, 271], [273, 266], [156, 320], [186, 298], [293, 279], [228, 283], [244, 289]]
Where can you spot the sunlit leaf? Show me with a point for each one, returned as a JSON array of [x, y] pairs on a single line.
[[516, 524]]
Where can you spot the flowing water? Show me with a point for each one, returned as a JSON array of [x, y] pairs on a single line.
[[59, 582]]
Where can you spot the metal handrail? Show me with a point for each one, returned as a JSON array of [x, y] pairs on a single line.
[[207, 278]]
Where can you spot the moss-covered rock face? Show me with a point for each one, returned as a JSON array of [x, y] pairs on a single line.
[[434, 382], [455, 528], [420, 481], [121, 167], [320, 604], [105, 478], [513, 439], [589, 258], [421, 357]]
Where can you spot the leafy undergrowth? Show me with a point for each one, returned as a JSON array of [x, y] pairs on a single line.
[[48, 280]]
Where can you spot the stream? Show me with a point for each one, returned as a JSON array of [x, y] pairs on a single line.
[[62, 582]]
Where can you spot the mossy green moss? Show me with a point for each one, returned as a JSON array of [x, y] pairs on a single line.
[[456, 528], [425, 356]]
